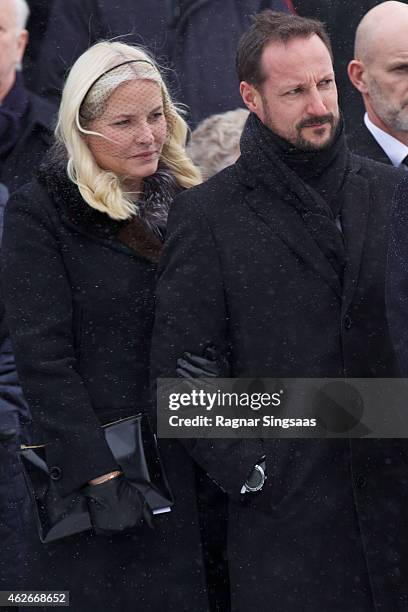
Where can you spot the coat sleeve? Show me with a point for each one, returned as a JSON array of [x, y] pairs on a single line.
[[38, 300], [13, 407], [191, 314], [397, 277], [72, 27]]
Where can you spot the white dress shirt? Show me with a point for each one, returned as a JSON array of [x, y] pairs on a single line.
[[396, 150]]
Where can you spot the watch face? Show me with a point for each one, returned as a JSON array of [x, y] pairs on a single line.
[[255, 480]]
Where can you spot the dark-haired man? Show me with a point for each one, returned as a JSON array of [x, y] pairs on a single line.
[[278, 261]]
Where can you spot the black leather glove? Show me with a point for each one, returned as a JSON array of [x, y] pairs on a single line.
[[211, 365], [116, 505]]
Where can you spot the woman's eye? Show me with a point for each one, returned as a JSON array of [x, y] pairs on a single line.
[[122, 122], [156, 115]]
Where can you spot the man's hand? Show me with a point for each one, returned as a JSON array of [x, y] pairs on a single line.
[[211, 365]]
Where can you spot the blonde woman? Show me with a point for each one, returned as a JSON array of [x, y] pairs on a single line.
[[81, 245]]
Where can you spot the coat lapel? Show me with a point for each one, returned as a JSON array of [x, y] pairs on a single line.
[[283, 219], [277, 212], [362, 142], [354, 221]]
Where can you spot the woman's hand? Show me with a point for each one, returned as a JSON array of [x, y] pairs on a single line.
[[116, 505]]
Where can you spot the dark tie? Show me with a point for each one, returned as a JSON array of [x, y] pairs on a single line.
[[405, 161]]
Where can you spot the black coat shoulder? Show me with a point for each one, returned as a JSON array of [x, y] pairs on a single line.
[[377, 172], [35, 139], [60, 198], [43, 113], [32, 198], [221, 189], [361, 142]]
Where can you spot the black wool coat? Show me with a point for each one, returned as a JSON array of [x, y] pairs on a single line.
[[361, 142], [240, 271], [80, 312], [397, 278]]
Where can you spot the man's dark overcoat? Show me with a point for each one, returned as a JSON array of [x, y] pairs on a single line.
[[397, 278], [35, 139], [80, 312], [361, 142], [241, 272]]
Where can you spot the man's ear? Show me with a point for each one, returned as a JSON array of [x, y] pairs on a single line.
[[357, 75], [22, 41], [250, 96]]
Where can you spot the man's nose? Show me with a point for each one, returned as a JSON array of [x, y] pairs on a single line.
[[315, 103]]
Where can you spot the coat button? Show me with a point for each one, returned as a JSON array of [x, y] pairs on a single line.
[[347, 322], [55, 473], [361, 482]]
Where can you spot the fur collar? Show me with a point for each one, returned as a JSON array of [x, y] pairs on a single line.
[[159, 190], [143, 233]]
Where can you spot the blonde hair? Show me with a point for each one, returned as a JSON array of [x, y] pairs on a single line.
[[214, 143], [100, 188]]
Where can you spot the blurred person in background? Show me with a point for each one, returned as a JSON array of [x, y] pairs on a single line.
[[14, 414], [197, 39], [379, 71], [80, 250], [25, 135], [37, 26], [214, 144], [26, 121], [14, 429]]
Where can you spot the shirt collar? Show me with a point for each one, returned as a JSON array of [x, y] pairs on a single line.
[[396, 150]]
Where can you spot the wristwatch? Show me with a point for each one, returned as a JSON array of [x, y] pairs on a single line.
[[256, 479]]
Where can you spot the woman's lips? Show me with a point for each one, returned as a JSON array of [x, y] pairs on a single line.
[[146, 155]]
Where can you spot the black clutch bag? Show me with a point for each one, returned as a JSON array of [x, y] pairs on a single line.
[[134, 447]]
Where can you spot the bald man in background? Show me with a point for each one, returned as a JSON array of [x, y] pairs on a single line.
[[379, 71]]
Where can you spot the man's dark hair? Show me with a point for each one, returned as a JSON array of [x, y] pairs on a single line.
[[268, 27]]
